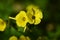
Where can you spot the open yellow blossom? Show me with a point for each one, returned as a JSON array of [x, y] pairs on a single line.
[[22, 37], [2, 25], [13, 38], [21, 19], [34, 14]]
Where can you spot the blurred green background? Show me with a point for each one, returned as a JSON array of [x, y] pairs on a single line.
[[48, 29]]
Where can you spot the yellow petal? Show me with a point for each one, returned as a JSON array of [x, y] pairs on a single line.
[[2, 25], [37, 21], [38, 13], [13, 38], [30, 20], [31, 6]]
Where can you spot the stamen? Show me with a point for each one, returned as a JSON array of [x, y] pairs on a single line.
[[2, 23], [33, 17], [24, 19]]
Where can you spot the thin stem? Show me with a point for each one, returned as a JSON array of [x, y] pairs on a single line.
[[12, 18]]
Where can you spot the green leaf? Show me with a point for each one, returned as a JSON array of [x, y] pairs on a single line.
[[14, 32]]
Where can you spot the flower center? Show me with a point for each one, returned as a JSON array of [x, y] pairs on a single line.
[[24, 19], [1, 23], [33, 17]]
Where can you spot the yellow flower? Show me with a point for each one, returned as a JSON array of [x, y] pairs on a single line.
[[34, 14], [13, 38], [27, 38], [21, 19], [22, 37], [2, 25]]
